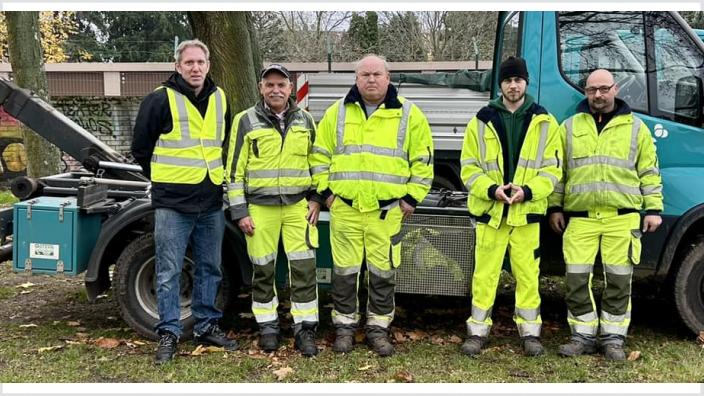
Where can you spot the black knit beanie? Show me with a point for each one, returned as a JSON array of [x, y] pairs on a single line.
[[513, 67]]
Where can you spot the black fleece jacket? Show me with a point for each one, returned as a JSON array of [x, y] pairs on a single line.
[[153, 119]]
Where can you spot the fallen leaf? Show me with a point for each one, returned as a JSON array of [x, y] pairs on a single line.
[[26, 291], [111, 318], [398, 336], [137, 342], [50, 349], [283, 372], [73, 323], [55, 322], [437, 341], [403, 376], [231, 335], [359, 337], [25, 285], [246, 315], [243, 295], [201, 350], [107, 343], [71, 342], [634, 355], [416, 335], [364, 368], [24, 326], [82, 335], [455, 340], [700, 339]]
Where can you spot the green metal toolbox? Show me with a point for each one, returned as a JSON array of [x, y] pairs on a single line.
[[52, 236]]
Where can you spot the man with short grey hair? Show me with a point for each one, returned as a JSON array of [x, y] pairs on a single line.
[[178, 138]]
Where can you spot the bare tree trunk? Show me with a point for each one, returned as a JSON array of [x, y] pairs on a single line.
[[28, 70], [231, 65]]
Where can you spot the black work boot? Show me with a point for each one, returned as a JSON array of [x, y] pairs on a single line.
[[166, 348], [343, 343], [269, 342], [379, 342], [575, 348], [305, 341], [613, 352], [216, 337], [532, 346], [473, 345]]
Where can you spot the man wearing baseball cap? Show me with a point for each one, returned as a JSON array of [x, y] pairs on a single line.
[[509, 166], [269, 184]]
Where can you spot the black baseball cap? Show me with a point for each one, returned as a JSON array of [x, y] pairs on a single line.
[[277, 68]]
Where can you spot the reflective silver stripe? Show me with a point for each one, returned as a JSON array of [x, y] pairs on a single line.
[[600, 160], [170, 160], [304, 312], [535, 164], [381, 273], [581, 328], [254, 122], [634, 140], [477, 329], [346, 270], [308, 254], [529, 329], [528, 314], [382, 321], [421, 180], [604, 186], [568, 143], [341, 114], [235, 186], [559, 188], [649, 171], [471, 180], [587, 317], [618, 269], [272, 173], [184, 142], [610, 328], [182, 115], [276, 190], [481, 126], [403, 124], [344, 319], [216, 163], [550, 176], [491, 166], [379, 177], [480, 314], [269, 258], [648, 190], [319, 169], [266, 305], [376, 150], [306, 306], [238, 200], [320, 150], [469, 161], [579, 268], [549, 162], [541, 143], [615, 318], [219, 120]]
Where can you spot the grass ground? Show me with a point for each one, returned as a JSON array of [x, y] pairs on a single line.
[[49, 332]]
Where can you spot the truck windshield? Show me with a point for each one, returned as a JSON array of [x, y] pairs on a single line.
[[603, 40]]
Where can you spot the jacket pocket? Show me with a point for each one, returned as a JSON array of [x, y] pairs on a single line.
[[634, 249], [583, 144], [298, 141], [267, 144]]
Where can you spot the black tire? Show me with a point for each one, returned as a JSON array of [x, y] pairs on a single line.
[[442, 182], [134, 281], [689, 286]]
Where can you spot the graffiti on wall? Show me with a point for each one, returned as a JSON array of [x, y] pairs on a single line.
[[93, 114]]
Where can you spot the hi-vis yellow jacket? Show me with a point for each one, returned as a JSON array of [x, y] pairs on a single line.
[[193, 148], [537, 171], [377, 160], [617, 168]]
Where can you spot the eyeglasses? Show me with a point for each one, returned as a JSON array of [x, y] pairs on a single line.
[[604, 89]]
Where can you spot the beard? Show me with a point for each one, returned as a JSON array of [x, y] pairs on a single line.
[[514, 97]]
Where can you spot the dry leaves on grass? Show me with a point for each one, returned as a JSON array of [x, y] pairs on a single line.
[[201, 350], [282, 373], [25, 326], [700, 339], [634, 355], [50, 348], [73, 323], [455, 340], [25, 285], [364, 368], [107, 343], [403, 376]]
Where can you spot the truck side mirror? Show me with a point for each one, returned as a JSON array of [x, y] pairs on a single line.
[[688, 100]]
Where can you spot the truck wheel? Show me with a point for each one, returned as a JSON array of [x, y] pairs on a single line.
[[440, 182], [689, 287], [135, 283]]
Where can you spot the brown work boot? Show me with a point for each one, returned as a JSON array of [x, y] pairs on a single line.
[[473, 345], [343, 343], [381, 345], [576, 348], [613, 352]]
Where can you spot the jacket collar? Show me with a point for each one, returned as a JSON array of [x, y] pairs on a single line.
[[178, 84], [622, 107], [391, 100]]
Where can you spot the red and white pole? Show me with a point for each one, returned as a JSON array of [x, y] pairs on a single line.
[[302, 90]]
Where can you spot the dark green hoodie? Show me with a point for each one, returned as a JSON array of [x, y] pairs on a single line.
[[513, 125]]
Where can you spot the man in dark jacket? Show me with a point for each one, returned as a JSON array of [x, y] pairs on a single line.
[[178, 138]]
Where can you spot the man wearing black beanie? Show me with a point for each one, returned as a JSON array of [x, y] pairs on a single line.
[[509, 167]]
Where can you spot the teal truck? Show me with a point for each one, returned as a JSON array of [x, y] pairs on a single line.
[[657, 59]]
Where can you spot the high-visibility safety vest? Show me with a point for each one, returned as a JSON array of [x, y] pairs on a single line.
[[268, 168], [617, 168], [384, 157], [193, 147], [482, 164]]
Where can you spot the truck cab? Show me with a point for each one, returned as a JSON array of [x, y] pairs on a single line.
[[658, 62]]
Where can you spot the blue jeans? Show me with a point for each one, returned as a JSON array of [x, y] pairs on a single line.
[[172, 232]]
